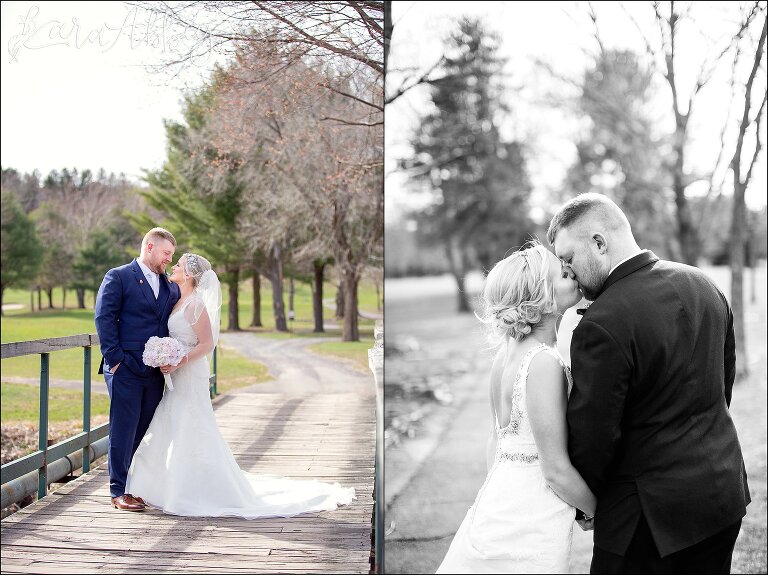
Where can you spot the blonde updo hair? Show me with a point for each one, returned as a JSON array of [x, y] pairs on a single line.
[[195, 266], [517, 294]]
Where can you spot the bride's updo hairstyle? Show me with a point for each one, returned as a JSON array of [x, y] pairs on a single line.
[[517, 294], [195, 266]]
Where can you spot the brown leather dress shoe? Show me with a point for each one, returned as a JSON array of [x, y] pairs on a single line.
[[140, 500], [127, 503]]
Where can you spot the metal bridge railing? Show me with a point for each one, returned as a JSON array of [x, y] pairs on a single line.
[[22, 476]]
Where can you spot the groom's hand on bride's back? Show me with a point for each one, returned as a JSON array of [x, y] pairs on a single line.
[[586, 524]]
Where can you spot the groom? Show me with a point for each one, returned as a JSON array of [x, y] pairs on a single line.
[[133, 304], [653, 363]]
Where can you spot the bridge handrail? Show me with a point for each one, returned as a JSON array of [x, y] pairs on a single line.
[[46, 455]]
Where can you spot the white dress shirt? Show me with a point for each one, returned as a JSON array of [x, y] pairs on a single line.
[[152, 278]]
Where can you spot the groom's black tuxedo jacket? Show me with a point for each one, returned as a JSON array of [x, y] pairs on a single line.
[[653, 363]]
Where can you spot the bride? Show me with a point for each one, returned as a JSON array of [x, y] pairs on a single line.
[[183, 464], [522, 518]]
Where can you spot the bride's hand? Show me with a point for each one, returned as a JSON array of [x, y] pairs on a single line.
[[167, 369]]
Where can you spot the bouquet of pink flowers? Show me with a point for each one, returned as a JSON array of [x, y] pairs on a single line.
[[163, 351]]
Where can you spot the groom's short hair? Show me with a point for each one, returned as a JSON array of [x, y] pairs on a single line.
[[156, 234], [598, 206]]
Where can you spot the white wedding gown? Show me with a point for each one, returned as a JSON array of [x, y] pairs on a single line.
[[517, 524], [185, 467]]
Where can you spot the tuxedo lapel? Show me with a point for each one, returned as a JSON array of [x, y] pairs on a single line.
[[144, 286]]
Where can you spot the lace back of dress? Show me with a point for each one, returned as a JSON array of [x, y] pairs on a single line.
[[515, 441]]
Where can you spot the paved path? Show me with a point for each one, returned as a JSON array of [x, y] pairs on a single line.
[[296, 369]]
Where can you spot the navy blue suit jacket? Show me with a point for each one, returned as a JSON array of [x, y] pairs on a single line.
[[127, 315]]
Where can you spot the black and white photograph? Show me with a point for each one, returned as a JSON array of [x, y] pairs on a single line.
[[575, 243]]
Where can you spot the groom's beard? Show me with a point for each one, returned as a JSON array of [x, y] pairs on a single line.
[[592, 282]]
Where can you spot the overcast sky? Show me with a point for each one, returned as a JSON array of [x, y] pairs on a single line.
[[76, 91], [559, 33]]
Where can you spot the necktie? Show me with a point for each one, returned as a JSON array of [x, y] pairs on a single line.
[[154, 283]]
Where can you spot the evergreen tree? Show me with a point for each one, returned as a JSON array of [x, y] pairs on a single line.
[[477, 179], [101, 253], [22, 251], [617, 155], [183, 191]]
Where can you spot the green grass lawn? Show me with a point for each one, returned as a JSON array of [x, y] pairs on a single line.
[[20, 401], [59, 322], [356, 351]]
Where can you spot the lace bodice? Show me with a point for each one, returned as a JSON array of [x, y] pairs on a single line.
[[515, 441], [179, 327]]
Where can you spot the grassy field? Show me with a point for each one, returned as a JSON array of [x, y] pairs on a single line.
[[20, 400], [301, 325], [20, 403], [356, 352]]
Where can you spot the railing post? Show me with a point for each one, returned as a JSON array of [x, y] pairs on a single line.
[[376, 363], [87, 407], [214, 391], [42, 474]]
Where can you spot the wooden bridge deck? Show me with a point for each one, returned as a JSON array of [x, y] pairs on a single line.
[[330, 437]]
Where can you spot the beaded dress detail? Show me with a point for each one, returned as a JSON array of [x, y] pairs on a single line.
[[517, 524]]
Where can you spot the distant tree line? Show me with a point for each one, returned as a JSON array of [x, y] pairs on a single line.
[[64, 230]]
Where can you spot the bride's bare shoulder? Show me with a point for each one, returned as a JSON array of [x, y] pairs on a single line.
[[545, 367]]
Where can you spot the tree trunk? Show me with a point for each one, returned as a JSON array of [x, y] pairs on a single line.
[[256, 320], [378, 296], [686, 230], [234, 320], [750, 259], [2, 299], [317, 296], [739, 221], [388, 26], [63, 298], [276, 279], [456, 262], [738, 224], [39, 298], [340, 301], [291, 292], [350, 279], [49, 293], [80, 298], [31, 300]]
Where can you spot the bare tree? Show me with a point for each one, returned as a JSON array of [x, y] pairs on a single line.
[[402, 80], [347, 35], [313, 159], [664, 51], [740, 160]]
